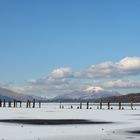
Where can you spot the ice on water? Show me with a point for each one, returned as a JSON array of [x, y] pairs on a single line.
[[124, 121]]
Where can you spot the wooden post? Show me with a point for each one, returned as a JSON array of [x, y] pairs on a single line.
[[39, 104], [88, 105], [80, 105], [60, 105], [101, 104], [9, 104], [20, 102], [14, 103], [27, 104], [0, 103], [108, 105], [120, 105], [34, 103], [4, 103], [132, 105]]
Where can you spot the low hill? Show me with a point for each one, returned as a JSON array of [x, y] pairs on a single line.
[[10, 95], [132, 97]]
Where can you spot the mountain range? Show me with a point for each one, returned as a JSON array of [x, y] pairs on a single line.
[[91, 93], [10, 95]]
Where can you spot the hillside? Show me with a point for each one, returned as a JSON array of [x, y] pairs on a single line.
[[11, 95], [132, 97]]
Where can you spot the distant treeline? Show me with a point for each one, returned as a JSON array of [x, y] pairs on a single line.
[[133, 97]]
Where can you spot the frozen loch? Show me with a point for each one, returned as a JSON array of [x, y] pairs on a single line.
[[52, 123]]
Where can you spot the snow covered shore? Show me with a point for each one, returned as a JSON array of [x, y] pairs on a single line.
[[125, 124]]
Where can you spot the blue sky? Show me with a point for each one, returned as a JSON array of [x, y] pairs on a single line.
[[38, 36]]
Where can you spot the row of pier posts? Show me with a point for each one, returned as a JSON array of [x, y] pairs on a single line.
[[33, 104], [100, 106], [14, 103], [120, 105]]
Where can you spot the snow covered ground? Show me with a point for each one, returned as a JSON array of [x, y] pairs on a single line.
[[123, 121]]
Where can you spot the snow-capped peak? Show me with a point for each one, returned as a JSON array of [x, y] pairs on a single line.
[[93, 89]]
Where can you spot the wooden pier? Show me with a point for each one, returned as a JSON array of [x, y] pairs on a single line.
[[99, 106], [81, 105], [19, 104]]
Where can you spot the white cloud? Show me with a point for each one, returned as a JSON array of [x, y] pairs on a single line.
[[65, 80], [108, 75], [129, 66], [120, 84], [62, 73], [103, 70]]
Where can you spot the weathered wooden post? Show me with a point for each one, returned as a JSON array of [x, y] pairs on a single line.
[[0, 103], [101, 104], [108, 105], [28, 104], [34, 103], [39, 104], [80, 105], [9, 104], [132, 105], [60, 105], [120, 105], [4, 103], [20, 104], [88, 105], [14, 103]]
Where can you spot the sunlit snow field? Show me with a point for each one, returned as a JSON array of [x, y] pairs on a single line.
[[124, 124]]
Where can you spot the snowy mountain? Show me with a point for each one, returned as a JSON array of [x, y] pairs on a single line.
[[11, 95], [90, 93]]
